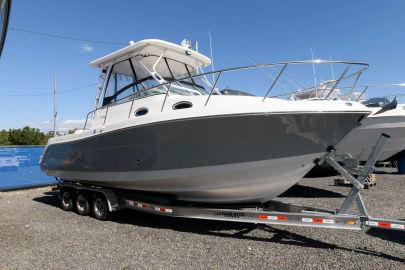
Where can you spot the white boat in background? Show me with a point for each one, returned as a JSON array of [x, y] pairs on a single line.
[[387, 117], [159, 125]]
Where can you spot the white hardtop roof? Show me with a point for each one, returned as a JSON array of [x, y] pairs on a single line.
[[156, 47]]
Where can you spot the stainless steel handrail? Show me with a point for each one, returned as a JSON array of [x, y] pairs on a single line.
[[358, 73], [275, 81], [284, 65], [213, 87], [338, 81], [164, 101], [366, 87]]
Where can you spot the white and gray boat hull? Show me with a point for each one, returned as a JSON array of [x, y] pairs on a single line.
[[221, 159]]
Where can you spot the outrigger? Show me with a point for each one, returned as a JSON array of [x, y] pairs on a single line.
[[105, 200]]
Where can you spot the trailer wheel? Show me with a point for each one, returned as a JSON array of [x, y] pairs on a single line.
[[100, 207], [66, 200], [82, 205]]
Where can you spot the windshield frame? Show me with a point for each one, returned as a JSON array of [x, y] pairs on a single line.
[[194, 87]]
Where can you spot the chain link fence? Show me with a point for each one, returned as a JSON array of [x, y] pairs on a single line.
[[19, 168]]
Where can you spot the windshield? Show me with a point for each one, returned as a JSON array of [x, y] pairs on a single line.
[[124, 84], [186, 88], [376, 102]]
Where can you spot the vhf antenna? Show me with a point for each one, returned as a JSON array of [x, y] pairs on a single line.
[[212, 57], [55, 113], [331, 68], [313, 66]]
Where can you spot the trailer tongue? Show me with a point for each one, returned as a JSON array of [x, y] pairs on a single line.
[[105, 200]]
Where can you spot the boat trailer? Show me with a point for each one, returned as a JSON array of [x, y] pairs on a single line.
[[272, 212]]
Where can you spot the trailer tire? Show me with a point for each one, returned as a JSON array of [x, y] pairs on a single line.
[[82, 205], [66, 200], [100, 207]]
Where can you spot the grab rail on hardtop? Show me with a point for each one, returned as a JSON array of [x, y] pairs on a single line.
[[283, 65]]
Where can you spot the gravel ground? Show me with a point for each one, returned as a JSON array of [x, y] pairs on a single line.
[[35, 234]]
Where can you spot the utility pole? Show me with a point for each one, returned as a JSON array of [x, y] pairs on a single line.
[[55, 113]]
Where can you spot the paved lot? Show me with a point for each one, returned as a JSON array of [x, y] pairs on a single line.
[[36, 234]]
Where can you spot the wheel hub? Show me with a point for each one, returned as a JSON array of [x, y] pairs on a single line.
[[99, 207]]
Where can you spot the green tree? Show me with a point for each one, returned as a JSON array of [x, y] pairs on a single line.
[[26, 136], [4, 138]]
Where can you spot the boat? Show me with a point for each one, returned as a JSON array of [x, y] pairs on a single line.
[[386, 117], [161, 126]]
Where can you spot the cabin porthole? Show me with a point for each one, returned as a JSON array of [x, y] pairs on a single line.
[[141, 111], [182, 105]]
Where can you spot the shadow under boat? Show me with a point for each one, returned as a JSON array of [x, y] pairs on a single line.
[[300, 191]]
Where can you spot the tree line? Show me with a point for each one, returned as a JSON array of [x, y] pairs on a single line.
[[24, 136]]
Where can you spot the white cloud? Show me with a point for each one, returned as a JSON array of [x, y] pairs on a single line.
[[73, 122], [86, 47]]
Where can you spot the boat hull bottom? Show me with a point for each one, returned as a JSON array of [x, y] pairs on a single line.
[[257, 181]]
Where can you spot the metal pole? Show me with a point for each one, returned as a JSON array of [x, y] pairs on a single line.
[[213, 87], [331, 68], [365, 89], [275, 81], [54, 106], [338, 81], [212, 57], [361, 178], [313, 67]]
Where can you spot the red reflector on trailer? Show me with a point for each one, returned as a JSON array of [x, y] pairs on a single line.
[[163, 210], [384, 225], [317, 220], [280, 218]]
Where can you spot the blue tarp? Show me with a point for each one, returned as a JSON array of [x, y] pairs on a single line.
[[19, 167]]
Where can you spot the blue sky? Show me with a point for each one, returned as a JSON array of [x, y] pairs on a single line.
[[266, 31]]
